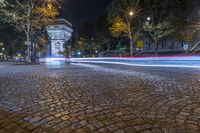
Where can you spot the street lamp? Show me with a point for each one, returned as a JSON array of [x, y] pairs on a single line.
[[79, 53], [131, 13], [148, 18]]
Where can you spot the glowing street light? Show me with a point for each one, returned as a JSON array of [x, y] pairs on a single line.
[[148, 18], [134, 12], [79, 53], [131, 13]]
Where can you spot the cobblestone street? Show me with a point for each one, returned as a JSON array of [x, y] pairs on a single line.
[[86, 98]]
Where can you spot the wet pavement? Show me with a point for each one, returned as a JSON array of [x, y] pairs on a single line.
[[89, 98]]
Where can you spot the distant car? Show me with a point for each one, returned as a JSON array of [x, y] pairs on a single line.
[[20, 59]]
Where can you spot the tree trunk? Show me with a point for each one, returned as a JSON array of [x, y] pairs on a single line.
[[13, 49], [156, 52], [28, 40], [90, 52], [131, 47], [108, 47]]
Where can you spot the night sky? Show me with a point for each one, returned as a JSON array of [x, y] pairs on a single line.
[[79, 11]]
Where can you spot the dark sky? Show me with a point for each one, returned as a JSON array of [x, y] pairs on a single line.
[[78, 11]]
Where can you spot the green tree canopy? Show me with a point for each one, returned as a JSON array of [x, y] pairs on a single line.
[[102, 33], [122, 8], [28, 16], [173, 11]]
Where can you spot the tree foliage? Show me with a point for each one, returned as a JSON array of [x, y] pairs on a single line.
[[187, 37], [158, 31], [102, 33], [122, 22], [13, 40], [93, 37], [28, 16], [122, 8], [43, 39], [2, 3], [167, 17], [23, 13], [83, 38], [48, 13], [172, 11], [119, 27]]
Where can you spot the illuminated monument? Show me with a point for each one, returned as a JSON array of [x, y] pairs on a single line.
[[59, 34]]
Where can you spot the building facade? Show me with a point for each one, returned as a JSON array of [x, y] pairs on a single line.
[[59, 34]]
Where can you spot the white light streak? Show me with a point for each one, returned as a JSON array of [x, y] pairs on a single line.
[[173, 61], [138, 65]]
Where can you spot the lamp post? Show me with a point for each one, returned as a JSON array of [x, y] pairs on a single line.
[[148, 20], [131, 14]]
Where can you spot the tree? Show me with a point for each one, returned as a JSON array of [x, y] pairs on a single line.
[[28, 16], [2, 3], [13, 40], [86, 38], [120, 27], [166, 18], [68, 49], [43, 39], [102, 33], [167, 13], [122, 8], [123, 16], [158, 31]]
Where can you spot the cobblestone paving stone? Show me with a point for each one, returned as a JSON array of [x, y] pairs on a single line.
[[78, 98]]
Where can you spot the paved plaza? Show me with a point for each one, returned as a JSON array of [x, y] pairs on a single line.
[[92, 98]]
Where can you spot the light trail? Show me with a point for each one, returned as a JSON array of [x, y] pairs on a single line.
[[184, 58], [137, 65], [151, 61]]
